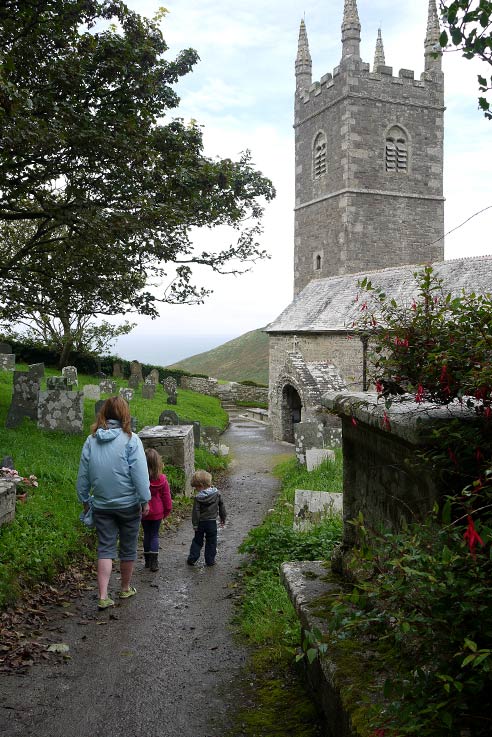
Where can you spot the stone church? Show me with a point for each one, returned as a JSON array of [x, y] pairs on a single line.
[[369, 201]]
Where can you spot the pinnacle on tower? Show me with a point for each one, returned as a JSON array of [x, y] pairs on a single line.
[[379, 53], [303, 60], [350, 30], [432, 63]]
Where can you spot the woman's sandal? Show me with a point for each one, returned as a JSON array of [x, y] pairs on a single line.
[[105, 603], [126, 594]]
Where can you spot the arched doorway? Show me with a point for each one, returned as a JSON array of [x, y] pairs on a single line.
[[291, 412]]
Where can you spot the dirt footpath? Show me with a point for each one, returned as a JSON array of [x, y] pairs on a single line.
[[157, 665]]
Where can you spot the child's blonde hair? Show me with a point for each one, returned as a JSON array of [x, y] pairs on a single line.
[[201, 479], [154, 463]]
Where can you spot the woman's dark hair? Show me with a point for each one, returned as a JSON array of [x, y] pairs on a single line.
[[154, 463], [114, 408]]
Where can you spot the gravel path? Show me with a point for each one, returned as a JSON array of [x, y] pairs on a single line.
[[157, 665]]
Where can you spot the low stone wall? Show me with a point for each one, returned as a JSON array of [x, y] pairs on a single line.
[[7, 501], [384, 476], [238, 392]]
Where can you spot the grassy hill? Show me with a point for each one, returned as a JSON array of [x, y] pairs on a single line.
[[243, 358]]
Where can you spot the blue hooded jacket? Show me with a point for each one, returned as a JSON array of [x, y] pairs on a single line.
[[114, 467]]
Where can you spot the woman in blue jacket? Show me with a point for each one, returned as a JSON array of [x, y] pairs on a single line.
[[114, 468]]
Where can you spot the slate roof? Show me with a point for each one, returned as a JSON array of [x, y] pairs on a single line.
[[328, 305]]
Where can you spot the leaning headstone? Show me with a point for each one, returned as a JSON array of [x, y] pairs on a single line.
[[37, 369], [316, 456], [70, 372], [7, 362], [56, 382], [126, 393], [136, 370], [174, 443], [7, 501], [153, 377], [117, 370], [310, 507], [168, 417], [133, 381], [5, 348], [148, 391], [107, 386], [24, 399], [91, 391], [61, 410]]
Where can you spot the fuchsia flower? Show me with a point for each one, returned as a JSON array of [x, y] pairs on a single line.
[[472, 537], [363, 307], [379, 732], [401, 342], [419, 397], [414, 305], [354, 422], [379, 387], [386, 422]]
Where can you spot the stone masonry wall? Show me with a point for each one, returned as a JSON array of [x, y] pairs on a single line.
[[239, 392]]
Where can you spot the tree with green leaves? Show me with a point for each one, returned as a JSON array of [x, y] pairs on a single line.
[[468, 27], [109, 186]]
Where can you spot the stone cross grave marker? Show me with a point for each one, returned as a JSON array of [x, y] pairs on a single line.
[[24, 399], [170, 386], [70, 372]]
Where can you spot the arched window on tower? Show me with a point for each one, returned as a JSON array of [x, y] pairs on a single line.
[[396, 152], [318, 262], [319, 156]]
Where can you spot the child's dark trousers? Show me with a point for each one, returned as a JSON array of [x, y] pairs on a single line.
[[208, 530]]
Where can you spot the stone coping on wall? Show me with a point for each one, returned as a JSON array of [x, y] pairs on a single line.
[[165, 431], [408, 420]]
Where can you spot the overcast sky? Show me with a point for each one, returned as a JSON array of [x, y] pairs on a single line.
[[242, 90]]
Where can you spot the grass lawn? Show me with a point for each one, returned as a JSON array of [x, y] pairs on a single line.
[[46, 532]]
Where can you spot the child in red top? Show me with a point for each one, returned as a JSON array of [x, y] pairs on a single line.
[[160, 506]]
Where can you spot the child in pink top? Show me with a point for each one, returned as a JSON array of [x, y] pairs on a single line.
[[160, 506]]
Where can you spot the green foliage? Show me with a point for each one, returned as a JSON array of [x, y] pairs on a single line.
[[46, 532], [210, 462], [469, 25], [424, 605]]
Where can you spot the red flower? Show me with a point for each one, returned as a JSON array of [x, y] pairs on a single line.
[[487, 412], [444, 376], [452, 456], [472, 537], [378, 732], [354, 422], [363, 306], [379, 387], [386, 422], [419, 397], [414, 305]]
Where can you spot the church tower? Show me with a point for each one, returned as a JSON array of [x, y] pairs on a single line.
[[369, 159]]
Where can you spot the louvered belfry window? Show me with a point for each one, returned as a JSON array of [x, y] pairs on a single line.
[[319, 156], [396, 156]]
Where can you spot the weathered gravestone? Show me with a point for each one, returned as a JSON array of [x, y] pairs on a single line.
[[311, 507], [70, 372], [7, 501], [57, 382], [117, 370], [5, 348], [24, 399], [311, 434], [136, 370], [134, 382], [168, 417], [7, 362], [91, 391], [37, 369], [148, 391], [170, 386], [316, 456], [153, 377], [174, 443], [107, 386], [7, 462], [61, 410], [126, 393], [98, 405]]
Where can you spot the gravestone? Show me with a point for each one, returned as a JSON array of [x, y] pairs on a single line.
[[5, 348], [316, 456], [311, 507], [153, 377], [170, 386], [37, 369], [117, 370], [174, 443], [98, 405], [134, 424], [7, 462], [134, 381], [196, 433], [210, 439], [57, 382], [126, 393], [61, 410], [148, 391], [70, 372], [311, 434], [7, 362], [168, 417], [107, 386], [91, 391], [7, 501], [24, 399], [136, 370]]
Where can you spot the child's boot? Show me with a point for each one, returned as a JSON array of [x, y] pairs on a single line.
[[154, 561], [147, 559]]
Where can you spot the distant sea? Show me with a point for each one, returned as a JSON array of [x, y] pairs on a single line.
[[162, 350]]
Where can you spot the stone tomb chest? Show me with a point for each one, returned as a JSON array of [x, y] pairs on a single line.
[[174, 443]]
